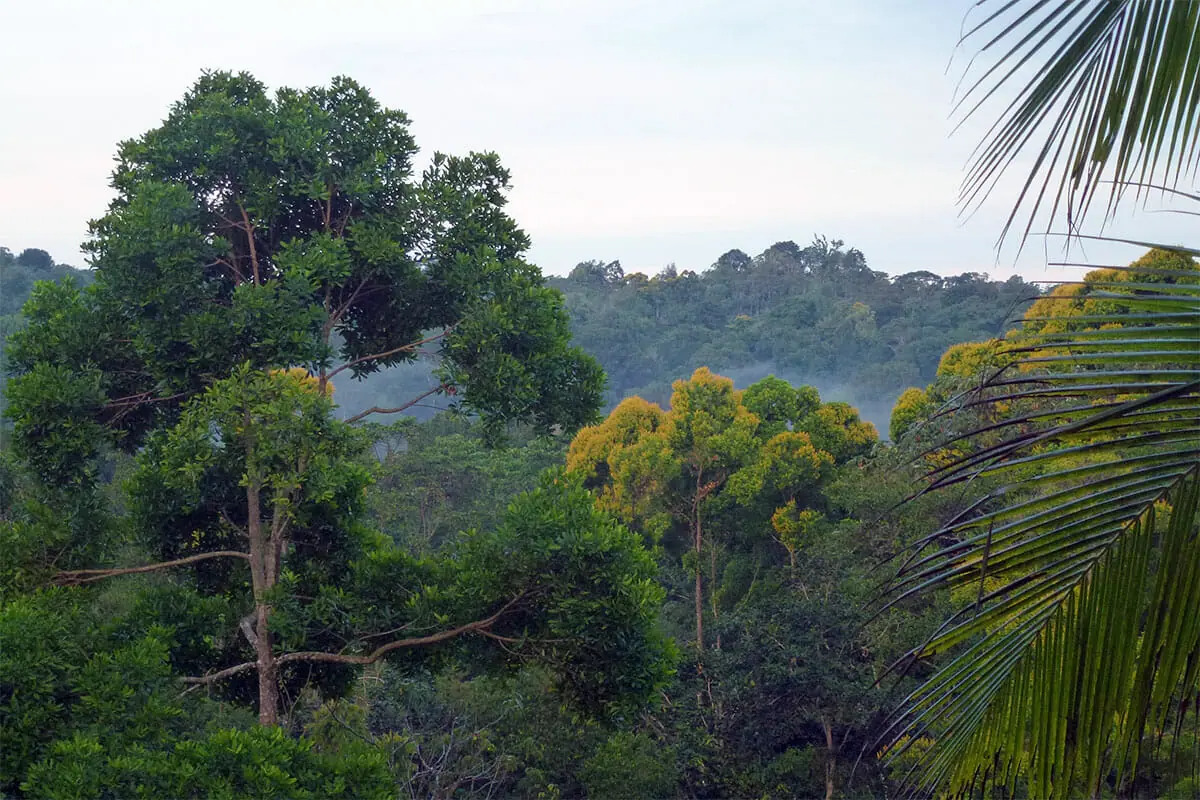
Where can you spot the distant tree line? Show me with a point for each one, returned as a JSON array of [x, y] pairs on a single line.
[[816, 314]]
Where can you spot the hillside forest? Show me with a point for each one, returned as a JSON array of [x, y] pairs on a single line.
[[312, 486]]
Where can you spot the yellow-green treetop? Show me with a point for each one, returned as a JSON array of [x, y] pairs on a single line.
[[716, 447]]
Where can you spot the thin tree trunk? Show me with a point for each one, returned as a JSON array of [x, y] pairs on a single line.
[[830, 758], [699, 580], [261, 572], [712, 596]]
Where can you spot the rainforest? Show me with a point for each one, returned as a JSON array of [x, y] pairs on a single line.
[[313, 484]]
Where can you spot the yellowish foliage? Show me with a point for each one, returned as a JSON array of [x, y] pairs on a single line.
[[1058, 311], [857, 432], [912, 406], [305, 379], [969, 359], [793, 526], [624, 427], [626, 451]]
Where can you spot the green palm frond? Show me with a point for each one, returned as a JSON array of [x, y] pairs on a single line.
[[1109, 91], [1082, 568]]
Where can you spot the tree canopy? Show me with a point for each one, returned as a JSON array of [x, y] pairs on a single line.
[[817, 315], [288, 230], [258, 248]]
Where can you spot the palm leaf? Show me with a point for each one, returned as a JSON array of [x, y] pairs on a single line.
[[1084, 563], [1109, 92]]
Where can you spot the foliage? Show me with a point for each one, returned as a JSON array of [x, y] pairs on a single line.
[[671, 472], [815, 314], [441, 477], [234, 238], [18, 274], [17, 279], [260, 246], [228, 763], [628, 766], [1081, 640], [1106, 93], [587, 588]]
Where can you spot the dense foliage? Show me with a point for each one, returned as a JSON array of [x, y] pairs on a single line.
[[18, 274], [1082, 557], [238, 271], [817, 315], [216, 582]]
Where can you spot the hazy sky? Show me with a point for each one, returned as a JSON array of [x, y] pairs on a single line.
[[650, 132]]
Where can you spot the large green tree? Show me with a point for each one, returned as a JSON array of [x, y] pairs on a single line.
[[259, 248], [672, 472], [289, 230]]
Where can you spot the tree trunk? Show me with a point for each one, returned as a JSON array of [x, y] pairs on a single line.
[[712, 596], [268, 670], [262, 573], [830, 758], [699, 579]]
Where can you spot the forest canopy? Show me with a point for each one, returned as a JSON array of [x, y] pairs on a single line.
[[816, 315], [655, 545]]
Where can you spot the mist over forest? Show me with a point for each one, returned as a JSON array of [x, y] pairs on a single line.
[[815, 316]]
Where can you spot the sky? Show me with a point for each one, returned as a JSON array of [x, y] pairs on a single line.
[[646, 132]]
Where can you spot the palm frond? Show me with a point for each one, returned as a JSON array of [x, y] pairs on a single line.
[[1109, 90], [1083, 567]]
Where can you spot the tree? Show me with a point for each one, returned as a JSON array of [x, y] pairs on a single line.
[[847, 325], [235, 238], [597, 272], [36, 259], [239, 264], [669, 472], [443, 482], [1080, 647], [258, 473], [669, 466]]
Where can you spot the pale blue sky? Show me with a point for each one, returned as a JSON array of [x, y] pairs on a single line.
[[646, 132]]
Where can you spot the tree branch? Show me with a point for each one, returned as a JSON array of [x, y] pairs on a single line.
[[74, 577], [250, 239], [397, 409], [478, 626], [225, 673], [336, 316], [141, 397], [392, 352], [246, 625], [237, 273]]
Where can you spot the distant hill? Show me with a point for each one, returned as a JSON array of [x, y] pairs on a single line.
[[18, 272], [817, 315]]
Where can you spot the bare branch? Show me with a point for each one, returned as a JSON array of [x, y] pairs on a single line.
[[478, 626], [225, 673], [232, 524], [75, 577], [141, 397], [402, 349], [336, 316], [237, 273], [415, 401]]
